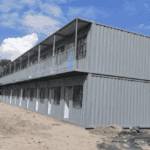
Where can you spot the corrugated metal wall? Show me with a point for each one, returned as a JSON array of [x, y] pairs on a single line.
[[76, 115], [114, 101], [117, 52]]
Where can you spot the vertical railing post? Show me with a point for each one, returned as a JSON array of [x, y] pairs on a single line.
[[54, 45], [2, 72], [10, 69], [39, 52], [28, 59], [14, 66], [20, 62], [76, 34], [54, 48]]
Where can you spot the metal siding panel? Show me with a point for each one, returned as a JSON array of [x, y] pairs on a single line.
[[122, 53], [138, 102], [126, 53], [108, 49], [97, 59], [121, 102], [124, 104], [91, 101], [94, 99], [105, 50], [135, 103], [98, 100], [138, 57], [112, 100], [102, 100], [111, 52], [109, 101], [148, 104], [147, 59], [115, 52], [142, 96], [100, 111], [101, 64], [106, 101], [140, 54], [119, 53], [144, 104]]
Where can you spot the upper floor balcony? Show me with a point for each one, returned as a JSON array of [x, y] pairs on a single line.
[[63, 51]]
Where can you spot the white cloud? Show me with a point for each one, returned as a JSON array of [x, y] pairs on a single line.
[[87, 12], [51, 9], [12, 48], [31, 2], [9, 5], [142, 26], [39, 23], [9, 20], [129, 6]]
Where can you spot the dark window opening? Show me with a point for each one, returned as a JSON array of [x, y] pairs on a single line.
[[28, 93], [77, 96], [42, 95], [18, 93], [81, 47], [24, 94], [31, 94], [57, 91]]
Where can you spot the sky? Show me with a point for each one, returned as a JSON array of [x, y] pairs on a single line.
[[25, 23]]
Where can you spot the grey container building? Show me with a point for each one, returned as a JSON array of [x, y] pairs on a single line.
[[86, 73]]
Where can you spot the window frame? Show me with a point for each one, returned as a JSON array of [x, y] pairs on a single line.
[[57, 95], [81, 47], [77, 100]]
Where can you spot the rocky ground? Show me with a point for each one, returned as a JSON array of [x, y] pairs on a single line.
[[22, 129]]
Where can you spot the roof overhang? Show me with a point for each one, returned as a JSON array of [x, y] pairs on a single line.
[[66, 30]]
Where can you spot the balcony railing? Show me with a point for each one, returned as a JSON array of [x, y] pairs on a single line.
[[59, 63]]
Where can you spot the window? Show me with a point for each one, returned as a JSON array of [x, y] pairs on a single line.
[[28, 93], [81, 47], [60, 49], [24, 93], [32, 94], [42, 95], [77, 96], [18, 93], [57, 91]]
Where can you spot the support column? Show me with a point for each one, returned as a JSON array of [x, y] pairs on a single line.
[[54, 45], [28, 59], [75, 53], [10, 69], [14, 66], [39, 53], [20, 62]]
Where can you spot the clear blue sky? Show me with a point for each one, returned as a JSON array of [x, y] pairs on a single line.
[[25, 23]]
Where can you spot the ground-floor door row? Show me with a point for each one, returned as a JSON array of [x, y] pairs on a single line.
[[46, 100], [90, 102]]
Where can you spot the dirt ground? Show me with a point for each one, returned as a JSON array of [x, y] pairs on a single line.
[[22, 129]]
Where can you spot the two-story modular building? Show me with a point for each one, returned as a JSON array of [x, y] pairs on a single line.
[[86, 73]]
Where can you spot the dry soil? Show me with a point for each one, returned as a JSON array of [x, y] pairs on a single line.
[[22, 129]]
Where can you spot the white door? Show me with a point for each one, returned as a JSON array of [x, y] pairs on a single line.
[[50, 96], [66, 100]]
